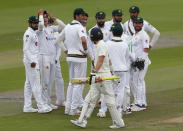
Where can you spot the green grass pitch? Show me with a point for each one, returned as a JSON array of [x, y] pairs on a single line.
[[163, 80]]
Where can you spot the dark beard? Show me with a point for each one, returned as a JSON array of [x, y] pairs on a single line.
[[100, 24], [118, 20], [132, 17], [34, 28], [138, 29]]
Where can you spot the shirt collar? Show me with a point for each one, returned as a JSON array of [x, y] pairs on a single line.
[[31, 29], [116, 38], [75, 21]]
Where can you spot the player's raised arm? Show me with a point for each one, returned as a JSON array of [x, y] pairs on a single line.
[[41, 20], [60, 23]]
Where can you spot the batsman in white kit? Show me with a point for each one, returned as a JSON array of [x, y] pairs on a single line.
[[75, 40], [101, 69], [32, 83]]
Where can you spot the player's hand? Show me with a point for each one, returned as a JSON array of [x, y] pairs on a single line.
[[33, 64], [40, 12], [93, 64], [66, 52], [150, 47], [51, 16]]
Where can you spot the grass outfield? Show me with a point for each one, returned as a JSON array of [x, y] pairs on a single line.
[[164, 95], [164, 77]]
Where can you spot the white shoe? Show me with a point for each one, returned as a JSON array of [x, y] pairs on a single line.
[[115, 126], [76, 123], [53, 106], [74, 112], [30, 110], [44, 109], [101, 114], [67, 110], [136, 108]]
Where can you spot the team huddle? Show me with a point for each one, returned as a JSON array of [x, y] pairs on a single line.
[[115, 49]]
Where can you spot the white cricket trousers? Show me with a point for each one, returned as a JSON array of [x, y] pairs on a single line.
[[93, 96], [118, 91], [59, 84], [32, 86], [74, 97], [129, 83], [139, 86], [47, 65]]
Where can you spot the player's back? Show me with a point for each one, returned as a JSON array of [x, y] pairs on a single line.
[[117, 53], [72, 39]]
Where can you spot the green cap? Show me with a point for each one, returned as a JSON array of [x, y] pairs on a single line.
[[79, 11], [134, 9], [100, 14], [117, 29], [117, 12], [138, 20], [33, 19]]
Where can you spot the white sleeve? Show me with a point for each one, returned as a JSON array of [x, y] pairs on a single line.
[[26, 49], [61, 25], [63, 46], [81, 31], [156, 35], [41, 23], [90, 46], [61, 37], [149, 28]]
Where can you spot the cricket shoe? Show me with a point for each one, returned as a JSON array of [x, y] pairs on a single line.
[[136, 108], [74, 112], [30, 110], [45, 109], [53, 106], [127, 111], [101, 114], [67, 110], [117, 126], [79, 124], [143, 107]]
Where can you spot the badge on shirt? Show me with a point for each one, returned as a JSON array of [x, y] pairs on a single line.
[[146, 41], [36, 43], [136, 38], [83, 31], [106, 34]]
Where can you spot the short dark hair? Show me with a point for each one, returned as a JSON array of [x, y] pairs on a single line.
[[78, 11]]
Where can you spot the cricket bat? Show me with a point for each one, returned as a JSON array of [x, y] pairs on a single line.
[[87, 80]]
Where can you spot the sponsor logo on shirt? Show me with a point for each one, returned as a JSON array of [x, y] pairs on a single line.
[[49, 38], [146, 41], [83, 31]]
